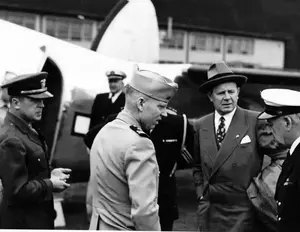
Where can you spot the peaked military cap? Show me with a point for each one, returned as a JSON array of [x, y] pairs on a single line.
[[219, 73], [28, 85], [153, 85], [279, 102], [115, 74]]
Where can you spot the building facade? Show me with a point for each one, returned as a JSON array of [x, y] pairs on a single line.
[[178, 43]]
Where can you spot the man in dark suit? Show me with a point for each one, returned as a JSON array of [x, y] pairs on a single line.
[[282, 111], [109, 103], [226, 155], [24, 169], [173, 142]]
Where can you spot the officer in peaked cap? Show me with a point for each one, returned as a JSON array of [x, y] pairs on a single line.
[[109, 103], [24, 167], [282, 111], [124, 174]]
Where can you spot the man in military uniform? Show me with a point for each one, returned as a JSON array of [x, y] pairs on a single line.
[[173, 142], [124, 169], [282, 111], [109, 103], [24, 169]]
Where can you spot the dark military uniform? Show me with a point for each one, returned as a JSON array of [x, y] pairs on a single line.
[[24, 168], [288, 193], [25, 175], [103, 106], [167, 139]]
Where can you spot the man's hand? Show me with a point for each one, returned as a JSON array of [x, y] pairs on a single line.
[[62, 173], [58, 184], [59, 177]]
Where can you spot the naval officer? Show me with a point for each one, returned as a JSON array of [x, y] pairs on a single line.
[[282, 111]]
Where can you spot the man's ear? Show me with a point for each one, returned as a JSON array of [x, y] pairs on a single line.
[[15, 102], [288, 122], [140, 104], [209, 96]]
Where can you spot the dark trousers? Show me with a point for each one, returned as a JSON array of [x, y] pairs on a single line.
[[166, 224]]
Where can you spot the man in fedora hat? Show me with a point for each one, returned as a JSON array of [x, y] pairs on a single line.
[[282, 112], [109, 103], [226, 155], [124, 169], [24, 168]]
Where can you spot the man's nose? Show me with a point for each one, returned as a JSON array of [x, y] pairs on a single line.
[[164, 113], [41, 103], [227, 95]]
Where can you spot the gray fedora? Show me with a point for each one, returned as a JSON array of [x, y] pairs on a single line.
[[219, 73]]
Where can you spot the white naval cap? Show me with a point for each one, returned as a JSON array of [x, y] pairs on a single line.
[[279, 102]]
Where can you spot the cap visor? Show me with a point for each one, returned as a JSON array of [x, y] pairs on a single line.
[[41, 95], [264, 115]]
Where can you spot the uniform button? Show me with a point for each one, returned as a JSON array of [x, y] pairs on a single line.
[[279, 203]]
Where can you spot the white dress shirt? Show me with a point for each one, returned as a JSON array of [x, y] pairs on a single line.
[[228, 117], [294, 145], [115, 97]]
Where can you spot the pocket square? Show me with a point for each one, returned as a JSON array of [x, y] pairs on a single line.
[[246, 139]]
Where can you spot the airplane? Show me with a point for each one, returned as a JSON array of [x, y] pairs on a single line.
[[77, 74]]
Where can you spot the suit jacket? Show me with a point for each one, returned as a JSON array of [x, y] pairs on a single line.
[[223, 176], [102, 107], [124, 177], [25, 173], [287, 193]]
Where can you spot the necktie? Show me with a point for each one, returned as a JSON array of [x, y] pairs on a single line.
[[221, 131]]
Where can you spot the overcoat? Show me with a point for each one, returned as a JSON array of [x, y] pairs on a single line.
[[25, 173], [103, 106], [223, 176]]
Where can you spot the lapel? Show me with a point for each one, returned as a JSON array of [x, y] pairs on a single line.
[[208, 135], [24, 128], [236, 131], [287, 167]]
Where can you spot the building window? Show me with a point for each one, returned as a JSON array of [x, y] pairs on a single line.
[[205, 42], [175, 42], [240, 45], [69, 28], [20, 18]]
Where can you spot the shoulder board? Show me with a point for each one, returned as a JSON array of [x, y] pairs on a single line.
[[139, 131]]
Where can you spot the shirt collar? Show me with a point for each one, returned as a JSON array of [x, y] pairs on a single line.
[[116, 95], [294, 145], [228, 117]]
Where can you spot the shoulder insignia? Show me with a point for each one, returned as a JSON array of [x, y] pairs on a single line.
[[139, 131]]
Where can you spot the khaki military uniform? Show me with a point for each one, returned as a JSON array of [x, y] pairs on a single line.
[[124, 177]]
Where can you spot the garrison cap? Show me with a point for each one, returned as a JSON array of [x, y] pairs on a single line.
[[115, 74], [28, 85], [219, 73], [279, 102], [153, 85]]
